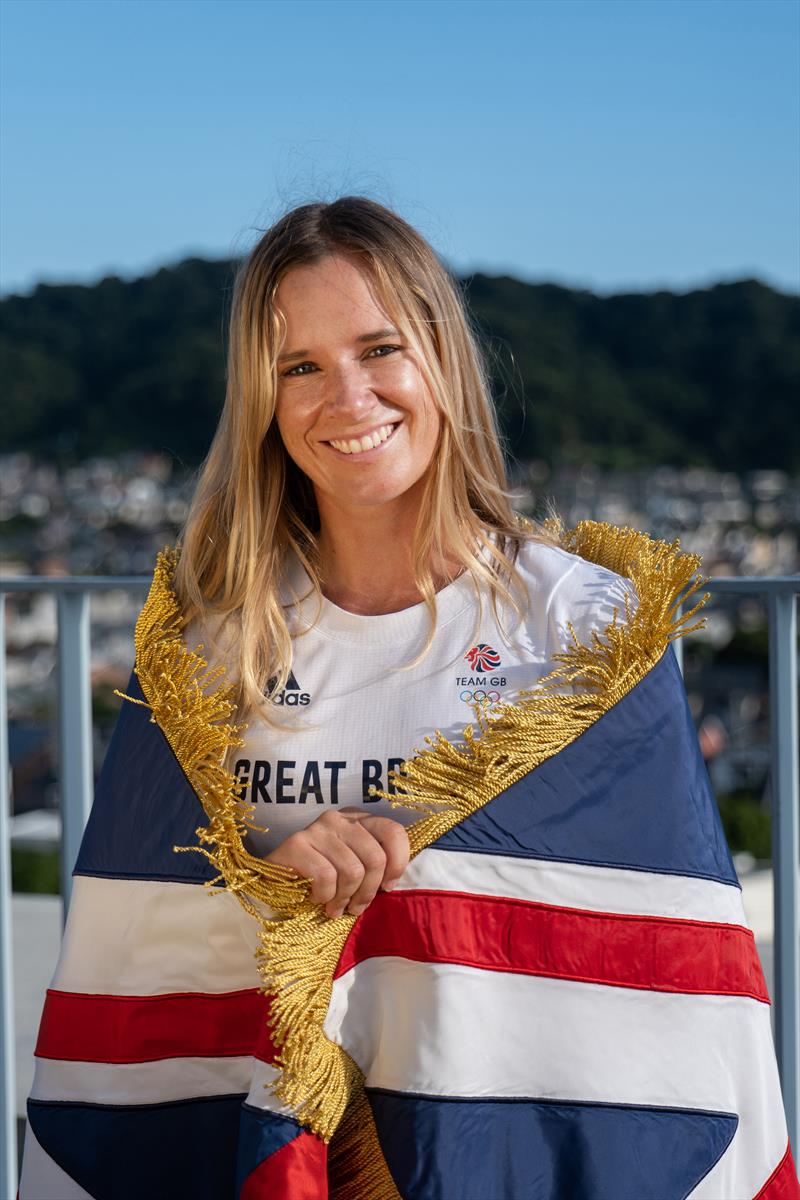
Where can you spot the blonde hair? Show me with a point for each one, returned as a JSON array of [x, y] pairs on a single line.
[[252, 506]]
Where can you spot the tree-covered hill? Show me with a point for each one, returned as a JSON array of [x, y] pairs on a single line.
[[707, 377]]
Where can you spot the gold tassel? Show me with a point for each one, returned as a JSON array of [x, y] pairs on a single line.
[[356, 1167], [174, 681], [297, 954], [296, 957], [448, 782]]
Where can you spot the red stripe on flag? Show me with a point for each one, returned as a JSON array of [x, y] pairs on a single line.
[[782, 1183], [130, 1029], [656, 953], [298, 1170]]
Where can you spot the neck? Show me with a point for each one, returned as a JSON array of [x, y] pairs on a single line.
[[366, 558]]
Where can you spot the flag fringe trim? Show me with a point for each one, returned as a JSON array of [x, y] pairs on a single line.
[[448, 782], [296, 957], [299, 949]]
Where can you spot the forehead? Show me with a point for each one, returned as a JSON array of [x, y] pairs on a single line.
[[334, 290]]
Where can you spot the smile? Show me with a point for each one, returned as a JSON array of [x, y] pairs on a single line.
[[369, 441]]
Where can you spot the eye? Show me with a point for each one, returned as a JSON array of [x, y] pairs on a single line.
[[300, 370], [297, 369]]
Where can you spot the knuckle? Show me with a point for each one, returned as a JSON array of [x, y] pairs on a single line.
[[351, 875], [396, 839], [325, 877], [293, 850], [374, 858]]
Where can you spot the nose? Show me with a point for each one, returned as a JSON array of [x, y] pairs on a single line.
[[348, 394]]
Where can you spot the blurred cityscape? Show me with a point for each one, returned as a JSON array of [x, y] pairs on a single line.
[[110, 516]]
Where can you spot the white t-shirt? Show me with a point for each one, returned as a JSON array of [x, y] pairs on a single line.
[[354, 710]]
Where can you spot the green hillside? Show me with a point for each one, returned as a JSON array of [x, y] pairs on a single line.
[[706, 377]]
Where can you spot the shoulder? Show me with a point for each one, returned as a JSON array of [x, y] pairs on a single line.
[[564, 590]]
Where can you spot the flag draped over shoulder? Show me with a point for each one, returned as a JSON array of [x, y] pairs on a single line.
[[561, 1001]]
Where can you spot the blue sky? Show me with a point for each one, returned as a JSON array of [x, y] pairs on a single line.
[[608, 144]]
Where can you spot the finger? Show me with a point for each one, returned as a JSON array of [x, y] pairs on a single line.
[[393, 840], [299, 853], [349, 873], [324, 879], [373, 860]]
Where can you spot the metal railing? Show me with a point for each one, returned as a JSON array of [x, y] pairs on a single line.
[[781, 593], [76, 787]]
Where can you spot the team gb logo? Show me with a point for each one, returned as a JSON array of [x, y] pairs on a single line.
[[483, 658]]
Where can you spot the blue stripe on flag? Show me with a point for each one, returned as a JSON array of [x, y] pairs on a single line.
[[143, 806], [632, 791], [437, 1149], [159, 1151], [261, 1133]]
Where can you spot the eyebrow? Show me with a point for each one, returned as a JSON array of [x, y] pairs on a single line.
[[364, 337]]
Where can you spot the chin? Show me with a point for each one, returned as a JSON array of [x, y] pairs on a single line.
[[374, 495]]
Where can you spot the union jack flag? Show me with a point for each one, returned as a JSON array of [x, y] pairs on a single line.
[[561, 1001], [563, 997]]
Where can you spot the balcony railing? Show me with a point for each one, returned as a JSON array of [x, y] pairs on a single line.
[[76, 788]]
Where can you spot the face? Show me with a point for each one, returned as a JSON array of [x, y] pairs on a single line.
[[353, 408]]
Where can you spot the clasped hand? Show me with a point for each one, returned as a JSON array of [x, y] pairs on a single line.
[[348, 855]]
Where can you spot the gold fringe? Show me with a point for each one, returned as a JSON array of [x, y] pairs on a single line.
[[297, 955], [449, 782], [357, 1169], [296, 958]]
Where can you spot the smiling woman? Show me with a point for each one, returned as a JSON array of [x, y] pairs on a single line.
[[512, 963], [358, 419], [358, 439]]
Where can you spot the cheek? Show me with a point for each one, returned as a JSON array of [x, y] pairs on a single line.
[[412, 392], [292, 422]]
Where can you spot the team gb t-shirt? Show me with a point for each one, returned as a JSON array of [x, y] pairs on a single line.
[[353, 710]]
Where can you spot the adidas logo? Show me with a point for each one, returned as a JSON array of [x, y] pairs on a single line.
[[291, 696]]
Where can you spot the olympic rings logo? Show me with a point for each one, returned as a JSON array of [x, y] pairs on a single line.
[[479, 696]]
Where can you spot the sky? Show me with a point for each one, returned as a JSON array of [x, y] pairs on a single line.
[[615, 145]]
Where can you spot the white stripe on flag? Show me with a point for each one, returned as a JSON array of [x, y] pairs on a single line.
[[261, 1094], [575, 885], [143, 938], [557, 1039], [140, 1083]]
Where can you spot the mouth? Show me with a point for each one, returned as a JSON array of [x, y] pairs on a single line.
[[367, 442]]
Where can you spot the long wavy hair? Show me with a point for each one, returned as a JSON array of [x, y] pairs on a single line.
[[253, 509]]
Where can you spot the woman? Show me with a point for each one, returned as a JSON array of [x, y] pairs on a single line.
[[527, 1014], [393, 536]]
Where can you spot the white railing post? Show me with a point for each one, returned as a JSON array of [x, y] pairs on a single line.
[[783, 680], [75, 729], [8, 1065]]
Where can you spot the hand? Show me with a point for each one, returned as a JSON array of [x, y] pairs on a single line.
[[348, 855]]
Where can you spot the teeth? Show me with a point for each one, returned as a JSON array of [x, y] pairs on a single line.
[[368, 442]]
